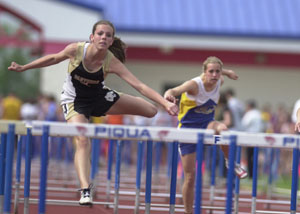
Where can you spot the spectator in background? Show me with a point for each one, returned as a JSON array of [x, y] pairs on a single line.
[[11, 105], [29, 110], [266, 115], [236, 107], [51, 114], [296, 115], [251, 122], [1, 108], [281, 121], [223, 113], [297, 123]]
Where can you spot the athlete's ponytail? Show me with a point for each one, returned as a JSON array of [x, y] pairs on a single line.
[[118, 48]]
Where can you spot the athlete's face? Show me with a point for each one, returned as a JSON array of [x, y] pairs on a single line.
[[212, 72], [103, 36]]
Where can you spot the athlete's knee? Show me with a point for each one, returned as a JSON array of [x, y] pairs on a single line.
[[151, 111], [189, 179], [82, 142]]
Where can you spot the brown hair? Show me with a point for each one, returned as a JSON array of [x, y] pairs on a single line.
[[118, 47], [212, 59]]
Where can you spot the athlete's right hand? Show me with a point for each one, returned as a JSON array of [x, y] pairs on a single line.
[[16, 67], [171, 98]]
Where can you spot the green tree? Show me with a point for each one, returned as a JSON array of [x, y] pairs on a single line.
[[25, 84]]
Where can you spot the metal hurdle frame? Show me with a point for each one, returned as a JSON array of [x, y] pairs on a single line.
[[148, 134], [257, 140]]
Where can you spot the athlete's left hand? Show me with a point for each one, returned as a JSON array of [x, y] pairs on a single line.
[[172, 108]]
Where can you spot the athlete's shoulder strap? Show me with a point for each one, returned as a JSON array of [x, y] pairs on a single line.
[[107, 61], [78, 57]]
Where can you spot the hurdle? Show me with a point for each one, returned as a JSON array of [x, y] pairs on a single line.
[[150, 134], [266, 140], [104, 131]]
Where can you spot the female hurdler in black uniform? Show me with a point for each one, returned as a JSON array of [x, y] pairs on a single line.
[[85, 95]]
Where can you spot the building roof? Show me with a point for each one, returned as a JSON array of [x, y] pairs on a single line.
[[252, 18]]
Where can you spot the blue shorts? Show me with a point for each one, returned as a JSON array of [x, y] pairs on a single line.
[[188, 148]]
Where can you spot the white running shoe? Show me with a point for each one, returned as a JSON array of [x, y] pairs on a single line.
[[86, 196], [239, 171]]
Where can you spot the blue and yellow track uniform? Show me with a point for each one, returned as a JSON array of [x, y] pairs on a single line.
[[197, 111]]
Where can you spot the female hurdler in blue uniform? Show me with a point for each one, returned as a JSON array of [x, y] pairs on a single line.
[[85, 95], [199, 98]]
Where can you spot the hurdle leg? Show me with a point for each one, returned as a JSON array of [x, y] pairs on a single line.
[[109, 167], [27, 170], [270, 179], [169, 165], [213, 172], [230, 175], [148, 177], [2, 169], [254, 180], [237, 182], [158, 147], [138, 176], [199, 157], [18, 173], [294, 181], [221, 163], [173, 177], [43, 172], [117, 176], [9, 167], [95, 162]]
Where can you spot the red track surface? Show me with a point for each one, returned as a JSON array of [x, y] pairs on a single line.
[[66, 183]]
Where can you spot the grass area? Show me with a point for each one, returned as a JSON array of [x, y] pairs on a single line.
[[282, 183]]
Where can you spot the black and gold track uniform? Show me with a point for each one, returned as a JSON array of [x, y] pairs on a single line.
[[84, 91]]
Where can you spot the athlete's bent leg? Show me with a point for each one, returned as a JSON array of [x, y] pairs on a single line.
[[219, 127], [128, 104]]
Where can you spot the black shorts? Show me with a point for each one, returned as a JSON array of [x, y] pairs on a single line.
[[96, 108]]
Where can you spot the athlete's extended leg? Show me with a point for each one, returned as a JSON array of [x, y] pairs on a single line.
[[82, 153], [188, 164], [128, 104]]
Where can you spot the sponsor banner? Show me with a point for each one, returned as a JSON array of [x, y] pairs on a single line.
[[165, 134]]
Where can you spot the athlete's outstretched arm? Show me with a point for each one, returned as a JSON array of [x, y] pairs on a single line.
[[47, 60], [119, 68], [230, 74], [189, 86]]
